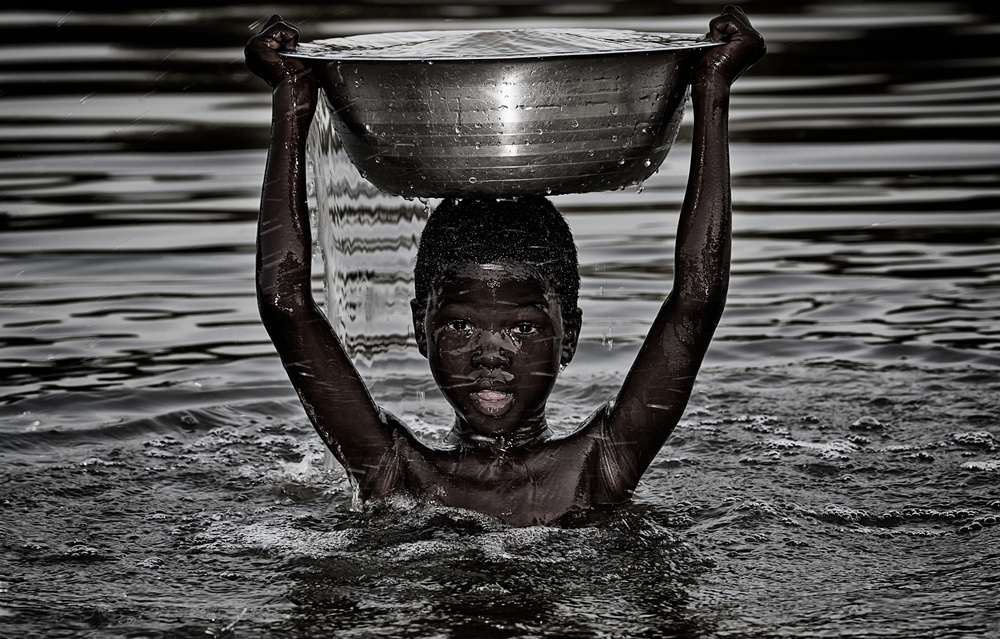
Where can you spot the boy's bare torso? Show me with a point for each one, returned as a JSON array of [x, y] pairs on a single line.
[[534, 482]]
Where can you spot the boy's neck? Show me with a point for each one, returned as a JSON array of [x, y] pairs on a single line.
[[532, 432]]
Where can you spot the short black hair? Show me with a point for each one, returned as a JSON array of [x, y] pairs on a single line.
[[524, 230]]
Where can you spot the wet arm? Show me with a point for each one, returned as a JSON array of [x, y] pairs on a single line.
[[657, 388], [333, 394]]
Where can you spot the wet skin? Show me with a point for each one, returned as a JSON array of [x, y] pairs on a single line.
[[495, 338], [493, 334]]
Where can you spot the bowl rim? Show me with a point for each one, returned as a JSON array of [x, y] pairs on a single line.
[[319, 50]]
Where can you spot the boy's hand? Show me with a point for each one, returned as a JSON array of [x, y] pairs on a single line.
[[743, 47], [264, 49]]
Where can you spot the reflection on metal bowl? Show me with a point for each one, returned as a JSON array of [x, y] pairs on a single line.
[[510, 125]]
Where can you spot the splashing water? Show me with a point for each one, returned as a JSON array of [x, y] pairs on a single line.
[[368, 241]]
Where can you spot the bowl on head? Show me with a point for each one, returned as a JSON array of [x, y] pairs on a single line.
[[505, 113]]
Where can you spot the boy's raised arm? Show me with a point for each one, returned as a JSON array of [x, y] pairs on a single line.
[[334, 396], [656, 389]]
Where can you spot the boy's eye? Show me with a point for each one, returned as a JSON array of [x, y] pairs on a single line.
[[523, 329], [460, 326]]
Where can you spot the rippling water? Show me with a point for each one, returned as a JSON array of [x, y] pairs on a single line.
[[836, 473]]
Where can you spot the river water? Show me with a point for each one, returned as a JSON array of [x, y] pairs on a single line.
[[837, 471]]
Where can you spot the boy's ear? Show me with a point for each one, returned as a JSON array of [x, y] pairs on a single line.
[[419, 331], [572, 323]]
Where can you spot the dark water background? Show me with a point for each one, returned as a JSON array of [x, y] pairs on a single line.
[[836, 474]]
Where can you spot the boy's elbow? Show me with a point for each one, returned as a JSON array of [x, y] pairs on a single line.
[[697, 314], [283, 281], [709, 301], [277, 306]]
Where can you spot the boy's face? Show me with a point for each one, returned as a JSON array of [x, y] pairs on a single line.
[[495, 338]]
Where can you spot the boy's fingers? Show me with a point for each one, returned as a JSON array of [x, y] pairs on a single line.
[[719, 28], [278, 34], [274, 19], [738, 12], [744, 46], [732, 21]]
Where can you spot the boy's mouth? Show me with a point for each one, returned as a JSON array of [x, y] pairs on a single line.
[[492, 402]]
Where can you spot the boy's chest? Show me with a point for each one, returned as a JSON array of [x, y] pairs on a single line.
[[522, 488]]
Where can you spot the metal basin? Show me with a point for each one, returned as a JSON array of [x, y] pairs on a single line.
[[506, 125]]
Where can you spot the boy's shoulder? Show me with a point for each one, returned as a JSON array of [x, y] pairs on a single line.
[[587, 457]]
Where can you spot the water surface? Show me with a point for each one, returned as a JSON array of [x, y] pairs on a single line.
[[457, 44], [835, 475]]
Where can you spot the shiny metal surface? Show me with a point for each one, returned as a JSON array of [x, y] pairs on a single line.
[[506, 127]]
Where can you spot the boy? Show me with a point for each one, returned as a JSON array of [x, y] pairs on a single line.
[[495, 315]]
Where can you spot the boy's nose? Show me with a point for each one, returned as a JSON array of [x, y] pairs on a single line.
[[493, 349]]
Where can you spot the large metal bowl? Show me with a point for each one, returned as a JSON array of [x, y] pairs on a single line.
[[453, 126]]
